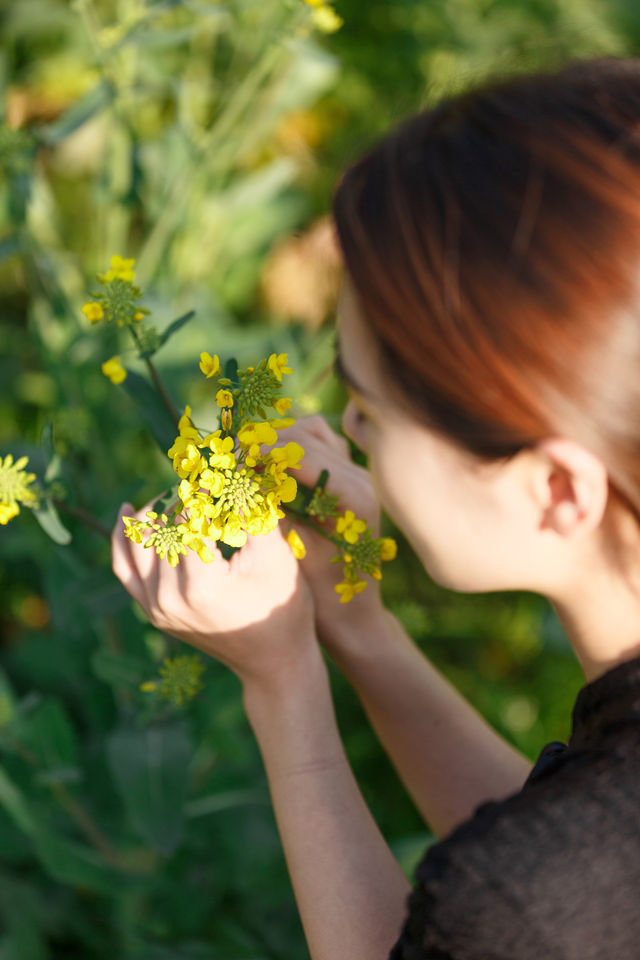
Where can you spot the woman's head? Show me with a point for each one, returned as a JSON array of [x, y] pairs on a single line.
[[492, 247]]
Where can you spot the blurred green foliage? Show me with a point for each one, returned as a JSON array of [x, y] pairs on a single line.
[[162, 129]]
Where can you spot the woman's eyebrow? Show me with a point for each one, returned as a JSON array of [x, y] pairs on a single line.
[[343, 374]]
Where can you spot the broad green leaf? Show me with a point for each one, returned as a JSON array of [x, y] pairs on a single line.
[[81, 111], [150, 767], [47, 516], [74, 863], [13, 801], [50, 736], [175, 326], [153, 409]]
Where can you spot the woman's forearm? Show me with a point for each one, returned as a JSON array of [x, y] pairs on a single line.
[[446, 754], [349, 888]]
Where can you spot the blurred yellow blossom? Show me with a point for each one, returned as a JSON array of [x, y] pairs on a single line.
[[15, 487], [121, 269], [93, 311], [114, 370], [326, 19]]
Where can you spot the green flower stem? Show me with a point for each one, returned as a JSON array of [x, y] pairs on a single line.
[[304, 518], [164, 396], [77, 812], [157, 382], [84, 516]]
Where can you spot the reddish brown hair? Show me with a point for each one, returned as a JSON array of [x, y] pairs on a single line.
[[494, 244]]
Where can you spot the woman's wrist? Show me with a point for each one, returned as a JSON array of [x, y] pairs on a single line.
[[354, 629], [303, 670]]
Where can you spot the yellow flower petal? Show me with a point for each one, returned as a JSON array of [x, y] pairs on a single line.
[[297, 546], [210, 365], [114, 370]]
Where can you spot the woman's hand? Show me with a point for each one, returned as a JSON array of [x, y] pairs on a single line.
[[254, 612], [325, 449]]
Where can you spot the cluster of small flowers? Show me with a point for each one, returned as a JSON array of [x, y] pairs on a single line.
[[16, 488], [180, 679], [118, 304], [324, 16], [358, 550], [229, 486]]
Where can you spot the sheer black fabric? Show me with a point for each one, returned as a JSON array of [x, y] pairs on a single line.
[[553, 872]]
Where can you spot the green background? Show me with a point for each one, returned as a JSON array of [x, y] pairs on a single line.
[[195, 136]]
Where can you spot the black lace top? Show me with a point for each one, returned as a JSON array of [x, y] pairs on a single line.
[[553, 872]]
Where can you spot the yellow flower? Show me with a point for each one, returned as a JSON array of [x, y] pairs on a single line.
[[224, 398], [350, 527], [194, 542], [222, 456], [213, 481], [315, 3], [287, 457], [388, 548], [133, 529], [287, 489], [187, 460], [93, 311], [15, 487], [114, 370], [282, 405], [186, 427], [226, 420], [297, 546], [282, 424], [326, 19], [277, 364], [138, 316], [8, 511], [252, 436], [210, 365], [121, 269], [348, 589]]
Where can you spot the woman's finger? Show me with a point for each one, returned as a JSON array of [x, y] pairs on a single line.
[[122, 560]]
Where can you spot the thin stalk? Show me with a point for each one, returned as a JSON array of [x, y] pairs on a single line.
[[162, 393], [156, 380], [84, 516], [76, 811]]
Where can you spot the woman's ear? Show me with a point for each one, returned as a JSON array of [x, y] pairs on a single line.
[[572, 486]]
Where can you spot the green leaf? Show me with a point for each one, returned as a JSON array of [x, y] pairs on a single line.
[[81, 111], [120, 669], [10, 245], [47, 516], [231, 371], [150, 767], [152, 408], [50, 736], [166, 499], [74, 864], [64, 860], [13, 801], [53, 463], [175, 326], [7, 702]]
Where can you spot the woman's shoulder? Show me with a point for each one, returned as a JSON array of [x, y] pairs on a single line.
[[552, 871]]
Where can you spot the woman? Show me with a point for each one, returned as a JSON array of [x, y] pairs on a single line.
[[490, 339]]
